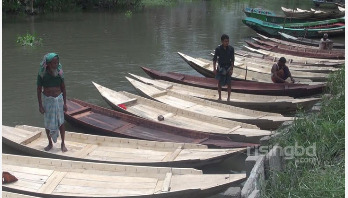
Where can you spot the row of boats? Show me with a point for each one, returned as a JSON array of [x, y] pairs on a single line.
[[151, 144], [298, 23]]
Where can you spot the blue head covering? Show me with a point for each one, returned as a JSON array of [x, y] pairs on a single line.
[[47, 59]]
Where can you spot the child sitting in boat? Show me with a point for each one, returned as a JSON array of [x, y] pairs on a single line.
[[281, 72]]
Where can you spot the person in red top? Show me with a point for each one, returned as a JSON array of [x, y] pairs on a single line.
[[281, 72]]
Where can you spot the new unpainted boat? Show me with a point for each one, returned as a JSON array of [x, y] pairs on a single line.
[[279, 104], [263, 63], [172, 116], [295, 45], [268, 46], [264, 120], [280, 89], [297, 59], [251, 72], [6, 194], [57, 178], [103, 149], [306, 41], [101, 120]]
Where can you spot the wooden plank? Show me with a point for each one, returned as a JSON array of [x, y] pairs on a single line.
[[85, 151], [78, 111], [31, 138], [52, 182], [233, 129], [198, 141], [171, 156], [124, 128], [129, 102], [166, 183]]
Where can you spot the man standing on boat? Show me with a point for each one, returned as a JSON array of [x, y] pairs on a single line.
[[51, 96], [224, 54], [280, 72], [325, 43]]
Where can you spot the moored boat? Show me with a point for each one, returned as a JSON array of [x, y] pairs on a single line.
[[44, 177], [268, 16], [278, 104], [307, 30], [306, 41], [301, 52], [172, 116], [300, 14], [294, 90], [107, 121], [264, 120], [102, 149]]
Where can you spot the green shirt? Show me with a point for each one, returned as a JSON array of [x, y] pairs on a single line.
[[49, 81]]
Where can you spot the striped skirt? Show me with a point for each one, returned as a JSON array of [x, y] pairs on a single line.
[[54, 114]]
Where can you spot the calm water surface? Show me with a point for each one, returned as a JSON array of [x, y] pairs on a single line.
[[105, 46]]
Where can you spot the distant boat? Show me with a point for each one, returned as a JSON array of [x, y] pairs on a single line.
[[57, 178], [308, 30], [301, 52], [328, 2], [306, 41], [268, 16]]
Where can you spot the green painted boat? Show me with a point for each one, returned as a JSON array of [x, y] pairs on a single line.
[[307, 30], [268, 16]]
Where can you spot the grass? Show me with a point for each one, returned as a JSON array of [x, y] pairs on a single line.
[[29, 40], [323, 174]]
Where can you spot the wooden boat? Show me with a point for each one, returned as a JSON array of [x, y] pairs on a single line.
[[277, 104], [297, 45], [319, 14], [295, 29], [255, 72], [173, 116], [56, 178], [306, 41], [264, 120], [301, 14], [103, 149], [6, 194], [295, 52], [106, 121], [293, 90], [267, 16], [297, 59], [327, 2], [263, 63]]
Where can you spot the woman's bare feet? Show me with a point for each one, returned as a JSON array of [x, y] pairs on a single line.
[[64, 149], [48, 147]]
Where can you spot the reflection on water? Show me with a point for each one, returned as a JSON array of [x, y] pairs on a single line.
[[106, 46]]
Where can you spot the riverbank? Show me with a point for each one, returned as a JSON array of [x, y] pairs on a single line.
[[314, 150]]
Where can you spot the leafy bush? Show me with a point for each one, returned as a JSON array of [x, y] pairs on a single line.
[[29, 40]]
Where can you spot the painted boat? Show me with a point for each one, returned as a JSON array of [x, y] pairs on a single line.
[[277, 104], [264, 120], [262, 63], [267, 16], [102, 149], [298, 45], [106, 121], [319, 14], [293, 90], [300, 14], [254, 71], [295, 29], [306, 41], [172, 116], [328, 2], [56, 178], [297, 59], [268, 46]]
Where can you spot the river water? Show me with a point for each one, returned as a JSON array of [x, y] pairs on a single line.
[[105, 46]]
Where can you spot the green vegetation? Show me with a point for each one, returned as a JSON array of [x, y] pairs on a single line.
[[29, 40], [323, 177], [128, 13]]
